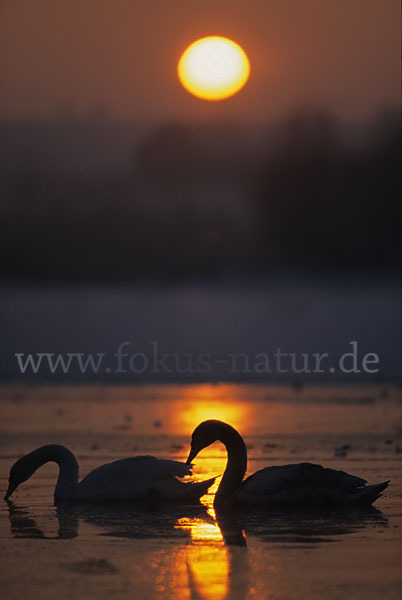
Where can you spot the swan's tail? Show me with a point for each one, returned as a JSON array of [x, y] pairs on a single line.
[[371, 493], [198, 489]]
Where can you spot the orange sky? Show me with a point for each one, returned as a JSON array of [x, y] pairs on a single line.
[[82, 56]]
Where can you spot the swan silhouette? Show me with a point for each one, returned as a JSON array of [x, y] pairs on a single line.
[[138, 478], [303, 484]]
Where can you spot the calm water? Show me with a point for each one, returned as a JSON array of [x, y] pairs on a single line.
[[189, 553]]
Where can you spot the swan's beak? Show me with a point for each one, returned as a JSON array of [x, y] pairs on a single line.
[[191, 456], [11, 487]]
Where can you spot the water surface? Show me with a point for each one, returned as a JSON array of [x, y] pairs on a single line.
[[190, 552]]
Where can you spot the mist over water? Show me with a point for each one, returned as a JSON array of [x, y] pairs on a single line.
[[201, 329]]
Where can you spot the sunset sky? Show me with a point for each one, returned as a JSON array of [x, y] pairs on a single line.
[[120, 57]]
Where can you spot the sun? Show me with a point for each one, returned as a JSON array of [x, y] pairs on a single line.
[[213, 68]]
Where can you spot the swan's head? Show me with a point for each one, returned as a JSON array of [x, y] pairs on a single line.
[[204, 435], [19, 472]]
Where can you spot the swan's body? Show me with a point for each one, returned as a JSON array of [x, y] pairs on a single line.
[[303, 484], [138, 478]]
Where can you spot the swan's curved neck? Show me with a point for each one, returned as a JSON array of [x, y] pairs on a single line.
[[67, 481], [236, 464]]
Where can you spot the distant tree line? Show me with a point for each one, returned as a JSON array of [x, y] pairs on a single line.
[[196, 202]]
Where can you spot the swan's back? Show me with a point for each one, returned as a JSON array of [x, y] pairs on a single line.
[[306, 484], [132, 478]]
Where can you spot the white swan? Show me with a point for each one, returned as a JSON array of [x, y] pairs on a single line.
[[137, 478], [297, 485]]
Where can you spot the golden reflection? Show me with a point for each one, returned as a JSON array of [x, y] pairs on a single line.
[[208, 571], [211, 402], [200, 530], [216, 540], [206, 558], [213, 566]]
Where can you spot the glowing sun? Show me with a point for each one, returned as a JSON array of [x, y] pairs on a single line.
[[213, 68]]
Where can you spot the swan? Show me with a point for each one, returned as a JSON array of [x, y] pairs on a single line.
[[137, 478], [303, 484]]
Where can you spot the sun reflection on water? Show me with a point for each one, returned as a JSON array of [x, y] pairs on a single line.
[[210, 402], [201, 531], [208, 570], [207, 558]]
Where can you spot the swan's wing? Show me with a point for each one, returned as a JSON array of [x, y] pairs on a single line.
[[144, 468], [138, 477], [276, 478], [300, 483]]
